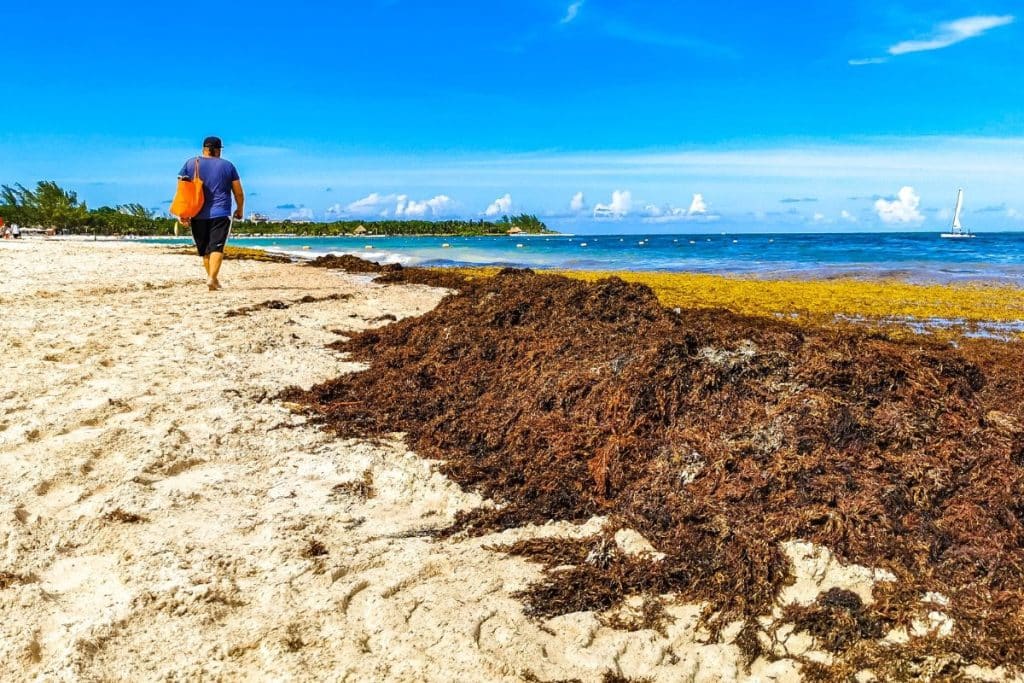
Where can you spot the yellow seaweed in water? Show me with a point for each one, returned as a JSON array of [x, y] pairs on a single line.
[[881, 299], [875, 302], [249, 254]]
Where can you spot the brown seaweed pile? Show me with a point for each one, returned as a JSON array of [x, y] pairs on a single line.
[[392, 273], [717, 437], [351, 264], [278, 305], [433, 277]]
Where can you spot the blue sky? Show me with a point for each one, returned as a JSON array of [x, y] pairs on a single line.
[[598, 115]]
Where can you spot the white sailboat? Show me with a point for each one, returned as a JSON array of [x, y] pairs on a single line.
[[957, 230]]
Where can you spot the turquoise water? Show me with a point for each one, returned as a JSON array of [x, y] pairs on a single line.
[[919, 257]]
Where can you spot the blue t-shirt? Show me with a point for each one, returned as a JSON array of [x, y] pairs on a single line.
[[217, 175]]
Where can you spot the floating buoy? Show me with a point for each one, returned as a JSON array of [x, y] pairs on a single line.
[[306, 247], [445, 245], [368, 246], [583, 244], [693, 241], [735, 241], [519, 246]]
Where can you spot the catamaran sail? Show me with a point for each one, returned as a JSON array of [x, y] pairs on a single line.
[[958, 230], [956, 212]]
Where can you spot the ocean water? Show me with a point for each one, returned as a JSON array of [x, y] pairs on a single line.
[[915, 257]]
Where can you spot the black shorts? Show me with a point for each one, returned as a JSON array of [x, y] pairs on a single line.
[[210, 234]]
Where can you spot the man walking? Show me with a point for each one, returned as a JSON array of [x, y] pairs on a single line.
[[211, 225]]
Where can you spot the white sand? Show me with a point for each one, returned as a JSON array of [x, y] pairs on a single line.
[[126, 391]]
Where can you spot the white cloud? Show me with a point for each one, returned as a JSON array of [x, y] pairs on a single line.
[[577, 204], [903, 209], [697, 207], [848, 217], [301, 215], [410, 208], [399, 205], [372, 203], [500, 206], [665, 214], [441, 204], [697, 211], [621, 204], [1014, 214], [572, 12], [868, 60], [818, 217], [951, 33], [944, 35], [335, 210]]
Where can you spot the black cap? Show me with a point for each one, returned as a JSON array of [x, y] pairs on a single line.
[[212, 142]]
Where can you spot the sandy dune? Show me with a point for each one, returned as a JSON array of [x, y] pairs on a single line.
[[165, 518]]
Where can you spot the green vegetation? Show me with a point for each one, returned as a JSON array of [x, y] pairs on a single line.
[[50, 206], [523, 223]]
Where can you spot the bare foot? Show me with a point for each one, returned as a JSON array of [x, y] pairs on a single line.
[[212, 285]]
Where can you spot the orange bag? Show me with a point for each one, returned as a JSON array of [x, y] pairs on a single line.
[[188, 200]]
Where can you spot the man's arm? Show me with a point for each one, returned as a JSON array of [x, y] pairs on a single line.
[[236, 189]]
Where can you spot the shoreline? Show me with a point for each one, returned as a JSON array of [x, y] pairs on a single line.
[[920, 275], [982, 309], [947, 310]]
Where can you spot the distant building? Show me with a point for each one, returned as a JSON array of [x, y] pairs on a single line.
[[514, 231], [258, 218], [361, 230]]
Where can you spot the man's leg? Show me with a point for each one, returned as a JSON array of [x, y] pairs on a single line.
[[201, 236], [219, 229], [213, 270]]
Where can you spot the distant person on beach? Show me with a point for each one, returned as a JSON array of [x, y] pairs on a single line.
[[15, 231], [210, 227]]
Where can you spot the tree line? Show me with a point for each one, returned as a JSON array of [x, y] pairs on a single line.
[[49, 206]]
